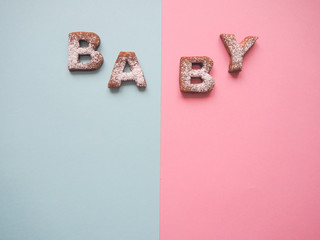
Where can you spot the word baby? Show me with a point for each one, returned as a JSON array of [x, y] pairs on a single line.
[[235, 50]]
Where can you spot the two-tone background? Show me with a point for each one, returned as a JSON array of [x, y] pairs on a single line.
[[79, 161]]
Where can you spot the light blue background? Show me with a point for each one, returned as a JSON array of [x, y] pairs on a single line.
[[78, 161]]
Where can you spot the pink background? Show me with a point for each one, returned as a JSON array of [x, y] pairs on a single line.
[[242, 162]]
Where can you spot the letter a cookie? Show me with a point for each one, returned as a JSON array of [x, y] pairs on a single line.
[[118, 75]]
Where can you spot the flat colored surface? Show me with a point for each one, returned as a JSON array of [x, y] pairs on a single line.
[[77, 161], [242, 163]]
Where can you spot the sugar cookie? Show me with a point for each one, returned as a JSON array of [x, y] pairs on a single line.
[[118, 75], [186, 73], [237, 51], [75, 51]]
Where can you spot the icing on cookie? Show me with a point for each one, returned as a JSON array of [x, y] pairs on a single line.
[[75, 51], [187, 73], [118, 75], [237, 51]]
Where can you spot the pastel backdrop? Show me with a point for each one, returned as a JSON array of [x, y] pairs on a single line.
[[243, 162], [78, 161]]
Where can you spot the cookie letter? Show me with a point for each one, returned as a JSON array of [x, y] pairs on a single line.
[[237, 51], [118, 75], [75, 51], [186, 73]]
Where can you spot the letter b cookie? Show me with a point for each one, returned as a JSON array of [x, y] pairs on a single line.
[[75, 51]]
